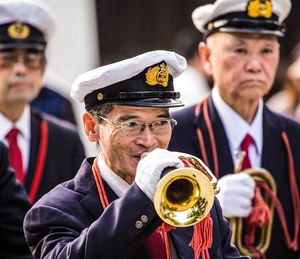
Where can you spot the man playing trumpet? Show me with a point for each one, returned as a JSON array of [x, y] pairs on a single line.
[[107, 210]]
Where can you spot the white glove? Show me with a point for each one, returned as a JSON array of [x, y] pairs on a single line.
[[149, 169], [236, 194]]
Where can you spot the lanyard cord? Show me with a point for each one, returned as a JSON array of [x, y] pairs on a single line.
[[99, 183], [41, 159], [294, 192], [104, 202], [292, 244], [211, 136]]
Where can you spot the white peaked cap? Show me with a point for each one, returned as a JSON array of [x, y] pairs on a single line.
[[109, 79]]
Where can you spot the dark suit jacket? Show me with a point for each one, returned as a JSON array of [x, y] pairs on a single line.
[[52, 102], [274, 159], [64, 155], [70, 221], [13, 207]]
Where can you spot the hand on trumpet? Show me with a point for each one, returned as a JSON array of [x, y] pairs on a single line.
[[150, 167], [236, 194]]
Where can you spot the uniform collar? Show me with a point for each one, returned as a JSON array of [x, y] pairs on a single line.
[[115, 182], [235, 126], [22, 124]]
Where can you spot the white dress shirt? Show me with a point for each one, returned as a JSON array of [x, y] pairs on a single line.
[[237, 128], [115, 182], [24, 127]]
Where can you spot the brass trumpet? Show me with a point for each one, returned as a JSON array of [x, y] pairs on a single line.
[[259, 175], [185, 196]]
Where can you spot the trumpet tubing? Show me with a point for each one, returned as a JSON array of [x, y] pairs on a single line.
[[258, 174]]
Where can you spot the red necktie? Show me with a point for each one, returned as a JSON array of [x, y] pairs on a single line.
[[156, 246], [15, 155], [247, 141]]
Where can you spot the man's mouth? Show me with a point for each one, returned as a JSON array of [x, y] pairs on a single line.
[[253, 82], [140, 155]]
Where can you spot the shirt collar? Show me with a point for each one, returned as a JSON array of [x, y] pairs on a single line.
[[22, 124], [235, 126], [115, 182]]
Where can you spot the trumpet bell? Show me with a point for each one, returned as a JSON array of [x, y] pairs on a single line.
[[184, 197]]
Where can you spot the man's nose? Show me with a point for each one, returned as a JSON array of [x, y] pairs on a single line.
[[19, 65], [146, 137], [254, 64]]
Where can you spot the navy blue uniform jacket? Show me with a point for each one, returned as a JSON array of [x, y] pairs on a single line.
[[274, 159], [69, 222], [13, 206], [65, 152]]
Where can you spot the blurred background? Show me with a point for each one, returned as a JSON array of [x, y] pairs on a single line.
[[91, 33]]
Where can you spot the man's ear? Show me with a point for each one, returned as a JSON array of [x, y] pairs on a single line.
[[204, 53], [90, 127]]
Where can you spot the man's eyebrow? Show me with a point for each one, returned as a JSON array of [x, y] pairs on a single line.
[[238, 42], [127, 117], [130, 117]]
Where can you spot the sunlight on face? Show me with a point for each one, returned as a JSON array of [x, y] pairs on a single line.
[[18, 83], [243, 66], [122, 152]]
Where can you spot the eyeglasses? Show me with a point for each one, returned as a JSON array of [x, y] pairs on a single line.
[[30, 60], [131, 127]]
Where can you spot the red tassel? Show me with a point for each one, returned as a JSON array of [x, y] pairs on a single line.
[[202, 238], [259, 218], [164, 227]]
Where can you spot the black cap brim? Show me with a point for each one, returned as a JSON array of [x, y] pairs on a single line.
[[155, 102], [261, 31], [22, 45]]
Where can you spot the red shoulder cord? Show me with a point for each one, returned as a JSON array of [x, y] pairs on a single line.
[[202, 237], [99, 183], [40, 162], [211, 136], [292, 244]]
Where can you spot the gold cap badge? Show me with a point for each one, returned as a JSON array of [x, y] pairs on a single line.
[[158, 75], [259, 8], [18, 31]]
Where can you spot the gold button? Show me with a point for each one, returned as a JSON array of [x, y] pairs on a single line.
[[139, 224]]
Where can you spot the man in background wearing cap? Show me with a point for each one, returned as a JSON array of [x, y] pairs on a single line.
[[43, 151], [13, 206], [107, 210], [241, 52]]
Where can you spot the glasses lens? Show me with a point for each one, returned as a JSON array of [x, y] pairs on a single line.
[[163, 126], [132, 127], [7, 60], [30, 60], [158, 126], [33, 60]]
